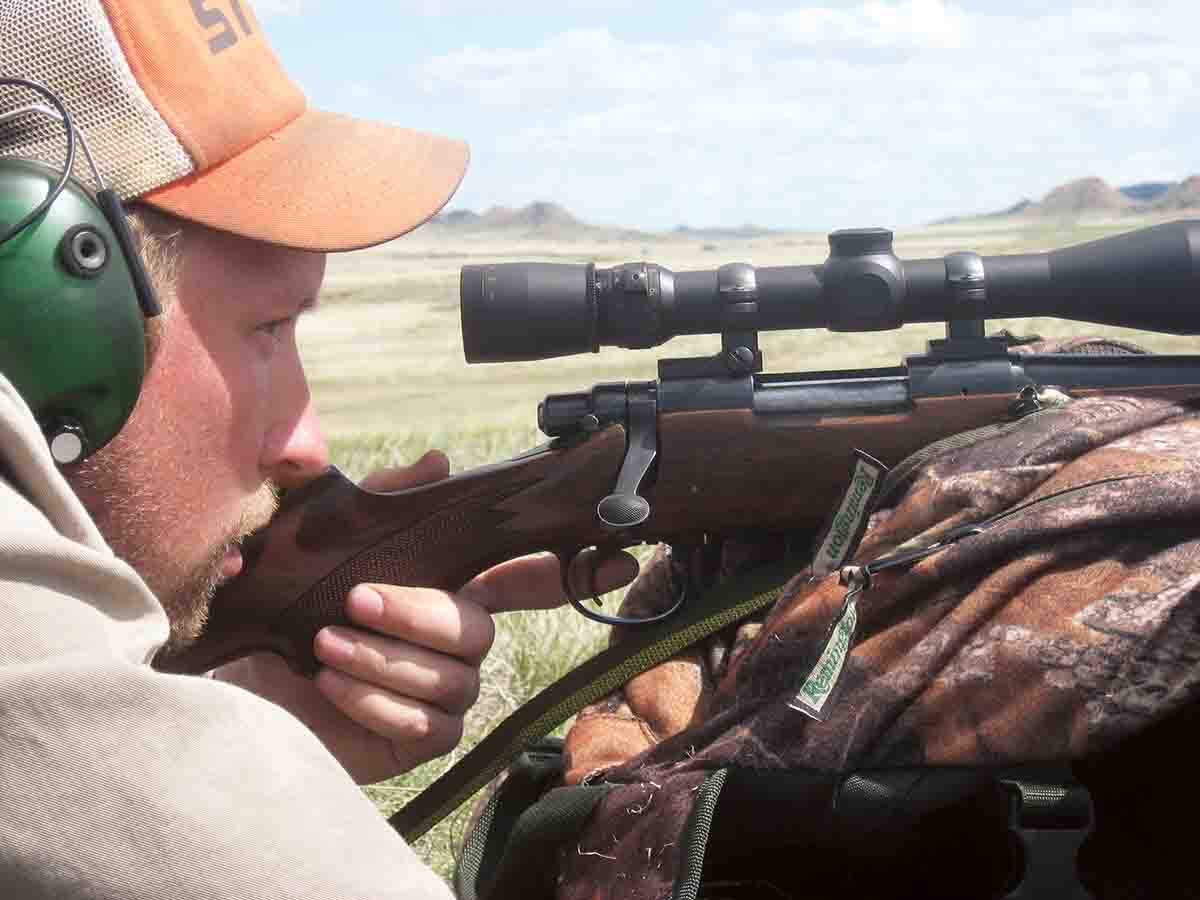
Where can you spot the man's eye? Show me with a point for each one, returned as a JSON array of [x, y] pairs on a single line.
[[275, 327]]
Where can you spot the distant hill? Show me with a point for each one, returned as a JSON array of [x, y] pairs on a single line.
[[1185, 195], [1084, 195], [1016, 209], [1146, 191], [1078, 199], [544, 219], [746, 231], [1094, 197], [458, 218], [540, 215]]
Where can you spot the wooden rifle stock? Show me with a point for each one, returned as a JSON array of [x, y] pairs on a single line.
[[718, 471], [331, 535]]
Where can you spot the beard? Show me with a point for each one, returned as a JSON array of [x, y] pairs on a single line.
[[177, 547], [187, 593]]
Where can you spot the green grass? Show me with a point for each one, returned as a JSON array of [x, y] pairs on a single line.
[[385, 360]]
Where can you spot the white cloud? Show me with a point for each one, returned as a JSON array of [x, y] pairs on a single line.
[[930, 24], [917, 108], [583, 62], [450, 8]]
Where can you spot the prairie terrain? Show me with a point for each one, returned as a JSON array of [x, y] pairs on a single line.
[[385, 359]]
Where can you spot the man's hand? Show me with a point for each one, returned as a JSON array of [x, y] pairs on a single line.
[[394, 689]]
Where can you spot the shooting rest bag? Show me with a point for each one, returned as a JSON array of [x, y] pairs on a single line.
[[1066, 633]]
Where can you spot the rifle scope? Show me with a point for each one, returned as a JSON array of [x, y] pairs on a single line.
[[1145, 279]]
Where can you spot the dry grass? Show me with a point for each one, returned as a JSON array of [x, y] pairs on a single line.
[[385, 359]]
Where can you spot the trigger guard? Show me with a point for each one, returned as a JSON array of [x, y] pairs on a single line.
[[565, 564]]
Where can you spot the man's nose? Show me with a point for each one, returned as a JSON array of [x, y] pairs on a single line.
[[296, 453]]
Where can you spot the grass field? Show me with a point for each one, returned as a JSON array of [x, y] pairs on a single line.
[[384, 355]]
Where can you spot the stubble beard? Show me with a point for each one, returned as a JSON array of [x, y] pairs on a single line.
[[142, 520], [188, 600]]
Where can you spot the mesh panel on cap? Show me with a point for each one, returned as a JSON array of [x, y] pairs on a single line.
[[70, 47]]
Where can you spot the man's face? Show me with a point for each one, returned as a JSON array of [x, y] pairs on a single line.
[[224, 415]]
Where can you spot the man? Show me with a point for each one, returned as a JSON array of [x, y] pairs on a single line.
[[117, 781]]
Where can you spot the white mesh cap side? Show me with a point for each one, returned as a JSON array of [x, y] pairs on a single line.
[[69, 46]]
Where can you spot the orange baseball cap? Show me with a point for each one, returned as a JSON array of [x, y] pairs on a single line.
[[186, 107]]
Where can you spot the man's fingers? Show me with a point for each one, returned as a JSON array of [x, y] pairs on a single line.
[[433, 466], [431, 618], [403, 721], [401, 667], [535, 582], [411, 672], [594, 572]]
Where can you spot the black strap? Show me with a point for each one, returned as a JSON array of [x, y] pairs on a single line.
[[928, 832], [510, 849]]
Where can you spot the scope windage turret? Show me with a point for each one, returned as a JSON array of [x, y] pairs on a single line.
[[1147, 279]]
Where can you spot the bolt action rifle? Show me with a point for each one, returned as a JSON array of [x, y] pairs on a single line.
[[713, 446]]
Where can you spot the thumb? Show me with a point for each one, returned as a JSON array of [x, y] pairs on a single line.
[[433, 466]]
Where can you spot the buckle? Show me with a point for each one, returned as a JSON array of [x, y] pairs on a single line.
[[1051, 821]]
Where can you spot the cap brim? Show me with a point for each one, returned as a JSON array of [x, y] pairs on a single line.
[[324, 182]]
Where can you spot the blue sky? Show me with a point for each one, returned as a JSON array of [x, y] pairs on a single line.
[[818, 115]]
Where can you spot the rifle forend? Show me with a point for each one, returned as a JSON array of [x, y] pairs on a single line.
[[521, 311]]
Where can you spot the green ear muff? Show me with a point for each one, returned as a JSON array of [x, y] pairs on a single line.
[[72, 332]]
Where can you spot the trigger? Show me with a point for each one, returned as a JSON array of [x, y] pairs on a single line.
[[568, 566]]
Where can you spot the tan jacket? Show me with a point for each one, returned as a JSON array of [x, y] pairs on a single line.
[[119, 782]]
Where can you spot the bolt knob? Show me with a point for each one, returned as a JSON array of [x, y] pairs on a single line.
[[623, 510]]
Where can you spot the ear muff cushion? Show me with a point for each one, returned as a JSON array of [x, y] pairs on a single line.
[[71, 342]]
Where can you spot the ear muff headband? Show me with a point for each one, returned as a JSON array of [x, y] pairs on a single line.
[[73, 299], [68, 164]]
